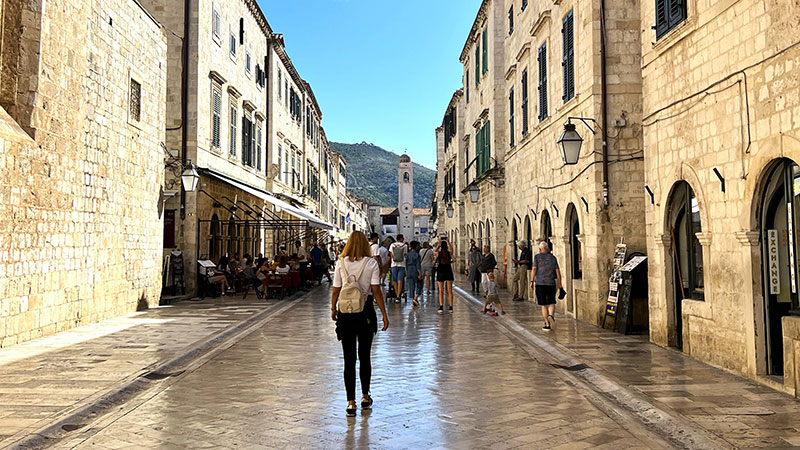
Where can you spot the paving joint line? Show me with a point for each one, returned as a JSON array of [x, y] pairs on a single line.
[[84, 414], [680, 432]]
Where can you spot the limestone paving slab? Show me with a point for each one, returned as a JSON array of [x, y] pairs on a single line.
[[739, 411], [439, 381], [43, 378]]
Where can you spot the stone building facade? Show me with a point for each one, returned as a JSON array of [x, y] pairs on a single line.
[[539, 65], [721, 108], [83, 114]]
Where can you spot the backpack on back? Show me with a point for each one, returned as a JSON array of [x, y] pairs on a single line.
[[398, 255], [351, 297]]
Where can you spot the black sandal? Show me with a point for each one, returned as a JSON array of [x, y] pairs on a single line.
[[351, 410], [366, 404]]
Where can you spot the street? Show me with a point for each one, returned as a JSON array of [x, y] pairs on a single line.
[[449, 381]]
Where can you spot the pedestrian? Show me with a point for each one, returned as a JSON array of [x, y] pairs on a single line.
[[398, 252], [520, 279], [426, 257], [473, 263], [356, 284], [414, 273], [488, 264], [385, 260], [444, 273], [492, 295], [546, 280]]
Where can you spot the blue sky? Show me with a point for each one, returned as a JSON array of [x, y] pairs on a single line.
[[382, 71]]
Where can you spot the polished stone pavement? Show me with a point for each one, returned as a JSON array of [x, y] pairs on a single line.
[[439, 381], [450, 381]]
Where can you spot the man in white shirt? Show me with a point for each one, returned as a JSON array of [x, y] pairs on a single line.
[[302, 258], [397, 252]]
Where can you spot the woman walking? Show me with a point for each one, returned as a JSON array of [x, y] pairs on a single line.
[[546, 277], [475, 259], [444, 273], [414, 273], [357, 270]]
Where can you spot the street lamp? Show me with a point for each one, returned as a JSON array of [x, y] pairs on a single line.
[[450, 211], [474, 193], [189, 177], [570, 141]]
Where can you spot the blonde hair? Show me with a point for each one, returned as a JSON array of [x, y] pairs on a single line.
[[357, 247]]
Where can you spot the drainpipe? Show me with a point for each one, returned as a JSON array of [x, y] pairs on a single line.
[[185, 95], [604, 95]]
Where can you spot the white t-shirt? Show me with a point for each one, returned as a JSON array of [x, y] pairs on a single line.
[[370, 277], [375, 249], [383, 253], [283, 270], [301, 254], [391, 253]]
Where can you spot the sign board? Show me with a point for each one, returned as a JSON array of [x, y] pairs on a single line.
[[635, 261], [614, 281], [792, 276], [773, 264]]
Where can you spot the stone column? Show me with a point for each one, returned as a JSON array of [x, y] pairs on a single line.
[[752, 302]]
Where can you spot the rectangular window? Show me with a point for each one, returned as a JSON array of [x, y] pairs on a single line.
[[511, 116], [669, 14], [248, 69], [256, 146], [543, 82], [511, 20], [233, 45], [466, 169], [247, 131], [280, 163], [467, 85], [280, 87], [286, 166], [216, 117], [286, 90], [524, 4], [135, 101], [478, 64], [294, 173], [483, 150], [216, 25], [525, 102], [234, 118], [485, 62], [568, 36]]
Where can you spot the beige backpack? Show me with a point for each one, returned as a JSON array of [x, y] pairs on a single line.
[[351, 297]]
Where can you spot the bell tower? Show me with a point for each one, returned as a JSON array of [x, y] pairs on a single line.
[[405, 198]]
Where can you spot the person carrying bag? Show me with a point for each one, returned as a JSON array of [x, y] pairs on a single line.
[[356, 286]]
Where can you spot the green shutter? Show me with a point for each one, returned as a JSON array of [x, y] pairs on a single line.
[[487, 152], [478, 64], [485, 50]]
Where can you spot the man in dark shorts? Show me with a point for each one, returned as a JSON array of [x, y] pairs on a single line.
[[546, 279]]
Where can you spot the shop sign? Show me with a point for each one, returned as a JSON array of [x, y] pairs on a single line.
[[772, 261], [792, 276]]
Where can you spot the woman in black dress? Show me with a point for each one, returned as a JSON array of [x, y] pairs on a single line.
[[444, 273]]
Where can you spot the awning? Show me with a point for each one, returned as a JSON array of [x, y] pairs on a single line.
[[267, 196]]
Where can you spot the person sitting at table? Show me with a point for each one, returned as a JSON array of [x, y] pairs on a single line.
[[216, 276], [283, 266]]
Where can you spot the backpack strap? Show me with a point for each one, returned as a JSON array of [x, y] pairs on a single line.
[[363, 266]]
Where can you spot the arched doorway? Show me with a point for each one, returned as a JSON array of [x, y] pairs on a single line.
[[575, 254], [488, 240], [231, 237], [528, 236], [546, 231], [687, 253], [515, 234], [480, 235], [779, 246]]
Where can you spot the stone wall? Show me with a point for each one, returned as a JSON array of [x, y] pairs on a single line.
[[73, 250], [721, 92]]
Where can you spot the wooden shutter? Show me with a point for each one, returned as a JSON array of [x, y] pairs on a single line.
[[487, 140], [525, 102], [245, 141], [216, 119], [511, 116], [241, 31], [542, 82], [568, 62], [485, 62], [478, 64], [677, 12]]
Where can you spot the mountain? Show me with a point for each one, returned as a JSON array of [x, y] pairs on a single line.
[[372, 175]]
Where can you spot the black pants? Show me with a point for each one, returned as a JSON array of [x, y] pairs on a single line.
[[356, 332]]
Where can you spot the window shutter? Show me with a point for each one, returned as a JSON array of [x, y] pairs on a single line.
[[571, 65], [241, 31], [511, 116], [485, 62], [677, 12], [477, 64], [568, 62], [245, 140], [543, 82], [487, 153], [525, 102]]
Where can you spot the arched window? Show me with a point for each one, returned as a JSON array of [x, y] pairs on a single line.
[[231, 237], [480, 235], [528, 235], [515, 233], [488, 234], [687, 251]]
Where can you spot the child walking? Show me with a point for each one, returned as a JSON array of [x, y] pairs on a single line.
[[492, 294]]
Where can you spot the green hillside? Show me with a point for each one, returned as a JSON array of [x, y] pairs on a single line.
[[372, 175]]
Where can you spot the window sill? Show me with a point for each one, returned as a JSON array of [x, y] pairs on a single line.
[[217, 40], [673, 36]]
